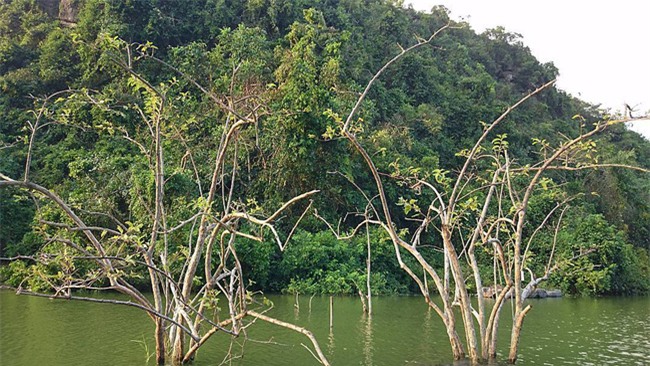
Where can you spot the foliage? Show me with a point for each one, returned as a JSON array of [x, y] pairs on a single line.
[[306, 62], [614, 267]]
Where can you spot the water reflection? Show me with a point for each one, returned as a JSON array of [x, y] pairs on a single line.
[[428, 323], [365, 326], [330, 343]]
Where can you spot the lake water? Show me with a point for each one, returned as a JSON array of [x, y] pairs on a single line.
[[402, 331]]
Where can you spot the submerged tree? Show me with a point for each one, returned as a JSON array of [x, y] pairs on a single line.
[[175, 158], [477, 217]]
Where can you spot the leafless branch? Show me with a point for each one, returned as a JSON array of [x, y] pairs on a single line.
[[321, 357]]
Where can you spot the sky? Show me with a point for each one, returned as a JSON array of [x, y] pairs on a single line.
[[601, 48]]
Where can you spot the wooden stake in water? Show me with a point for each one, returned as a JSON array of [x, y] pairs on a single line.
[[331, 312], [296, 305]]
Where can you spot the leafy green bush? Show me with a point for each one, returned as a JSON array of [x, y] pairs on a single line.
[[614, 266]]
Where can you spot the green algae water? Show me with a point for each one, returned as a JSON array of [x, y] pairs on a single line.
[[402, 331]]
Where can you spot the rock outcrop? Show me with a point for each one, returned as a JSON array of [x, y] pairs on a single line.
[[538, 293], [66, 11]]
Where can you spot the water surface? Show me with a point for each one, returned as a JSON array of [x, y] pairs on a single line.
[[402, 331]]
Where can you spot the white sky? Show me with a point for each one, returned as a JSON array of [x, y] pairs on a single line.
[[602, 48]]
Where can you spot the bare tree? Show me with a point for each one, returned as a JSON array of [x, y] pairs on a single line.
[[169, 248]]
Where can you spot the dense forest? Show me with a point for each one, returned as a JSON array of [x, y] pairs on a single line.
[[80, 73]]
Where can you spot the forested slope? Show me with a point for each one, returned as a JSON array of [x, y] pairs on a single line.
[[306, 61]]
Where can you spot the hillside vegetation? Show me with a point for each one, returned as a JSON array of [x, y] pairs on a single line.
[[302, 62]]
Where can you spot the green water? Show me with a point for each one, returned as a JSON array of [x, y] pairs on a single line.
[[402, 331]]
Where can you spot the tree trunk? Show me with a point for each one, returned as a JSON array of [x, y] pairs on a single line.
[[160, 342], [456, 345], [465, 305], [492, 351], [177, 352], [516, 334], [454, 340]]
